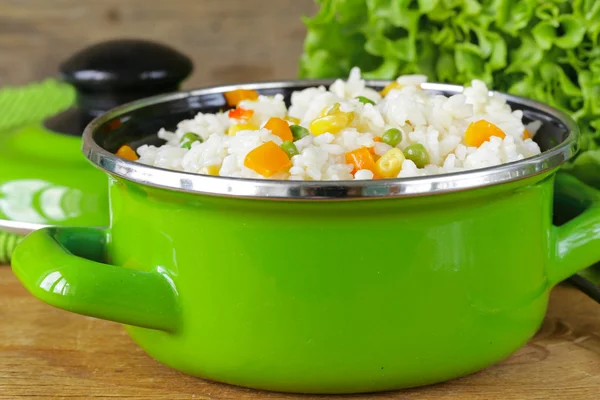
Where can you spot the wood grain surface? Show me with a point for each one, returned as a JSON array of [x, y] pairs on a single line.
[[229, 40], [46, 353]]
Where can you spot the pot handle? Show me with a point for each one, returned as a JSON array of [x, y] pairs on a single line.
[[578, 240], [56, 265]]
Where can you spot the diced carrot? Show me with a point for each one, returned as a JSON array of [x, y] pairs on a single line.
[[361, 159], [234, 97], [127, 153], [240, 113], [267, 159], [280, 128], [526, 135], [377, 139], [481, 131]]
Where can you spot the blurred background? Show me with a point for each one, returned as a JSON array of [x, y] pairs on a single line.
[[228, 40]]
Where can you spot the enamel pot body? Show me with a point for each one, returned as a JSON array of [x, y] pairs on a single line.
[[338, 288]]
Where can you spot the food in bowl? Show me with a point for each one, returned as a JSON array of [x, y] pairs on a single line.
[[348, 131]]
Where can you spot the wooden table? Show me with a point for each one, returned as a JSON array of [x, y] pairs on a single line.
[[46, 353]]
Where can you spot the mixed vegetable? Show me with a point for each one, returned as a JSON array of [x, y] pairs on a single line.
[[270, 159]]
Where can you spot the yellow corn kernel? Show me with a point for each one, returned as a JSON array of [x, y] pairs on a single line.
[[210, 170], [329, 123], [330, 110], [233, 129], [390, 164], [350, 116], [386, 90], [293, 120]]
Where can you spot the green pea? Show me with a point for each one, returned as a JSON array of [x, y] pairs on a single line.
[[365, 100], [290, 148], [189, 138], [392, 137], [417, 154], [298, 132]]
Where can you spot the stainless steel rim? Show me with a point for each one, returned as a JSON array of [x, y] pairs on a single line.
[[18, 227], [322, 190]]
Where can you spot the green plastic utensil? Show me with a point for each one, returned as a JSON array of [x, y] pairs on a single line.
[[22, 105], [44, 178]]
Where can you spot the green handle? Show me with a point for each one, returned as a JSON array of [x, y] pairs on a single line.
[[56, 265], [577, 241]]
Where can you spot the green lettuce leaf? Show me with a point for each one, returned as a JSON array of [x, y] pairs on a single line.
[[548, 50]]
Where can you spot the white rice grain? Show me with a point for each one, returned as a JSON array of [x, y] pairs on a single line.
[[437, 122]]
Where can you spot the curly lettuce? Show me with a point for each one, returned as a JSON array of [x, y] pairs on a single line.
[[548, 50]]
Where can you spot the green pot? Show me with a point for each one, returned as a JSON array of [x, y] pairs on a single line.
[[317, 287]]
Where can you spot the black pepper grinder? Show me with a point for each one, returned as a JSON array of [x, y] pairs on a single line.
[[115, 72]]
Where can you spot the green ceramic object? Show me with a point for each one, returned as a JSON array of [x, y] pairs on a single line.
[[40, 170], [44, 178], [317, 287]]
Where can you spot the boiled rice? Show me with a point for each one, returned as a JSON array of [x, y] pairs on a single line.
[[437, 122]]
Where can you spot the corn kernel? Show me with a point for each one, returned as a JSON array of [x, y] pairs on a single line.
[[526, 134], [386, 90], [351, 115], [233, 129], [390, 164], [293, 120], [330, 110], [329, 123], [210, 170]]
